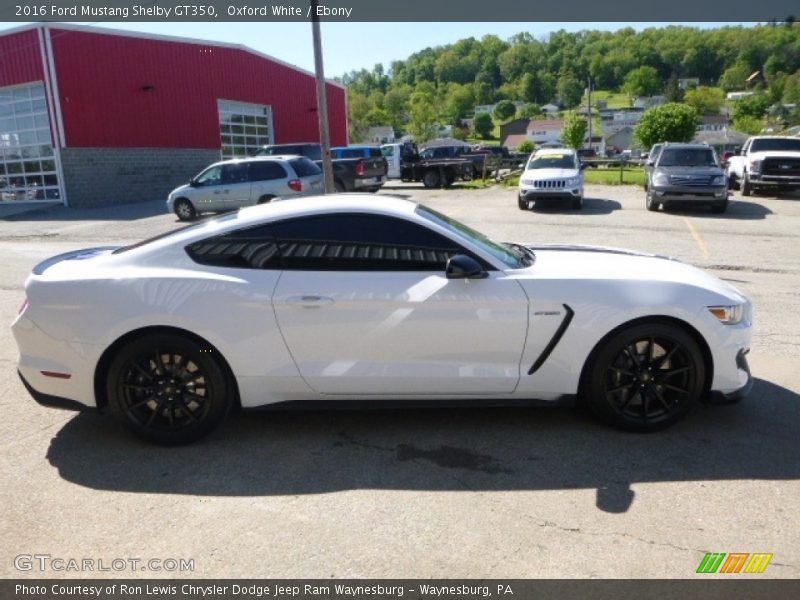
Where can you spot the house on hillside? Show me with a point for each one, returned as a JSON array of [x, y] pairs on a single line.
[[622, 139], [687, 83], [544, 131], [380, 135], [616, 120], [550, 109], [513, 140], [712, 123], [515, 127]]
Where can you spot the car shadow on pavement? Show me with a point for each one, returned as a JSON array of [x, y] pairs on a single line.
[[270, 453], [113, 212], [591, 206], [738, 209]]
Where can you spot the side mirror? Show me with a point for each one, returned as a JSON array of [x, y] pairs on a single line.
[[192, 183], [461, 266]]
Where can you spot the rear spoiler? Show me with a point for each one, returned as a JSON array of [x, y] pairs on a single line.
[[74, 255]]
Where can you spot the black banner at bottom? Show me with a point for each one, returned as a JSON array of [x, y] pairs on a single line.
[[391, 589]]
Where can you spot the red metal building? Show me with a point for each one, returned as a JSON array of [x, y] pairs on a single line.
[[96, 116]]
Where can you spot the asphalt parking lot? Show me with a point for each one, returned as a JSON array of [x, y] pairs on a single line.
[[482, 492]]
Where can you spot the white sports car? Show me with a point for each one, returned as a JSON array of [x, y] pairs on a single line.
[[347, 297]]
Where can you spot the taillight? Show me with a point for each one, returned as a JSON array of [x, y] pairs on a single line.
[[360, 168], [296, 185], [22, 308]]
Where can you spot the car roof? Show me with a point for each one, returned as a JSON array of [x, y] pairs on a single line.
[[260, 158]]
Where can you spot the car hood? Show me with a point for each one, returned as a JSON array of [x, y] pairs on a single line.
[[773, 154], [180, 189], [550, 173], [587, 263]]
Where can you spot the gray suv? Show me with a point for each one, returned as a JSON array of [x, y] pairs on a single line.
[[686, 173]]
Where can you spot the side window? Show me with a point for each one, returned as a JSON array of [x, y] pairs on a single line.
[[360, 242], [212, 176], [304, 167], [253, 248], [388, 151], [266, 170], [234, 173]]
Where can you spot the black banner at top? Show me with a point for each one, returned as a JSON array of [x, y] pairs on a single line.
[[398, 10]]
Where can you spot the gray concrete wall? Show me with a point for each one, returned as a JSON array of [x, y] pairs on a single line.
[[105, 176]]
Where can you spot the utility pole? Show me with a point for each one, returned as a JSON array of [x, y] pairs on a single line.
[[589, 95], [322, 102]]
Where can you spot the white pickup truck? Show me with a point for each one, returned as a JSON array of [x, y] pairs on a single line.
[[766, 162]]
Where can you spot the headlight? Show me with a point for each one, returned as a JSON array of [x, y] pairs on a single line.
[[526, 181], [573, 181], [730, 315], [755, 166], [661, 179], [718, 180]]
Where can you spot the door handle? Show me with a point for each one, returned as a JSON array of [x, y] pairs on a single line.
[[310, 301]]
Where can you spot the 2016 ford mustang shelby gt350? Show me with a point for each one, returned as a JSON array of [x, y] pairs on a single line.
[[347, 297]]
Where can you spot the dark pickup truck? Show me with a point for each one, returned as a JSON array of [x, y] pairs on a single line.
[[432, 172], [482, 161], [349, 174]]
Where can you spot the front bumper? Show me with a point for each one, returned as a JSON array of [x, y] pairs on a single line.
[[774, 180], [532, 194], [690, 194], [734, 396]]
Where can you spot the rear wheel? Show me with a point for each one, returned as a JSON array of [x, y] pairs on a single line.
[[431, 179], [265, 199], [168, 389], [339, 187], [733, 181], [645, 377], [184, 209]]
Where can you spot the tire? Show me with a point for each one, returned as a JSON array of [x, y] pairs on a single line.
[[168, 389], [577, 203], [650, 202], [184, 210], [449, 177], [733, 181], [339, 187], [431, 179], [719, 207], [522, 203], [746, 186], [646, 377], [265, 199]]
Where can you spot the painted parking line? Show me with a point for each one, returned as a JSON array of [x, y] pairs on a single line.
[[697, 238]]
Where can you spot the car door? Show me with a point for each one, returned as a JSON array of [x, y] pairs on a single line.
[[235, 189], [268, 180], [365, 308], [207, 190]]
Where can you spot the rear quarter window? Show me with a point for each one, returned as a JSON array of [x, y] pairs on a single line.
[[304, 167]]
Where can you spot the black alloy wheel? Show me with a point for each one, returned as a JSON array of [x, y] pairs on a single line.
[[646, 378], [168, 389]]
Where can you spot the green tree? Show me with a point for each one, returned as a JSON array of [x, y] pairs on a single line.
[[483, 125], [754, 106], [529, 111], [574, 132], [570, 90], [504, 110], [643, 81], [673, 92], [525, 146], [735, 77], [748, 124], [671, 122], [422, 116], [705, 100]]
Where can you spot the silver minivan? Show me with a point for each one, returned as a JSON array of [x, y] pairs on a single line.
[[232, 184]]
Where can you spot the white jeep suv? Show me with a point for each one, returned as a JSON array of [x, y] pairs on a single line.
[[552, 174]]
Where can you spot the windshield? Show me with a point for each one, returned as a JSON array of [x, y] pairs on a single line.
[[769, 144], [552, 161], [510, 256], [687, 157]]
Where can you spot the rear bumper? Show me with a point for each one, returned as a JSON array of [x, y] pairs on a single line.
[[54, 401], [369, 182]]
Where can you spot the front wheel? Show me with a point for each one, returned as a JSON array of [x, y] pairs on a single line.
[[577, 203], [645, 377], [522, 203], [184, 209], [746, 186], [719, 207], [168, 389], [650, 202]]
